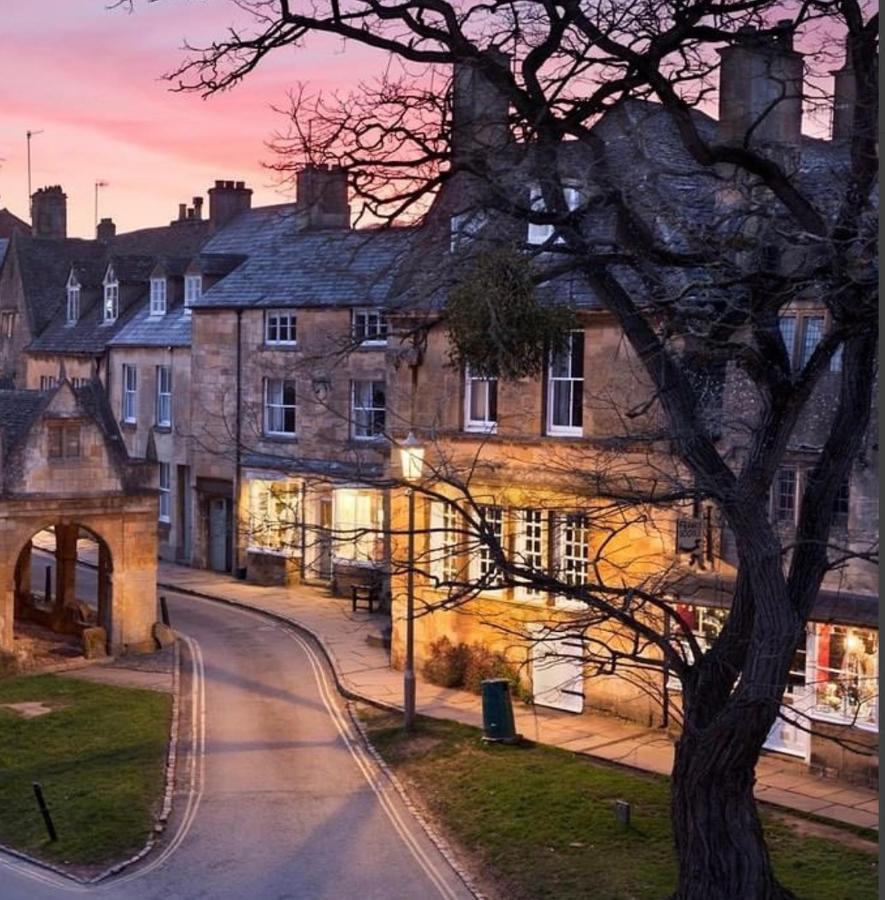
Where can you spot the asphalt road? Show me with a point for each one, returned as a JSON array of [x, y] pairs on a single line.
[[275, 798]]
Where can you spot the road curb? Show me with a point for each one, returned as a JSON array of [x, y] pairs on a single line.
[[160, 820]]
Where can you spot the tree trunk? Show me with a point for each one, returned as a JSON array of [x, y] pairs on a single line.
[[719, 842]]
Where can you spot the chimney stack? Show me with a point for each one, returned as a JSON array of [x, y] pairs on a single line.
[[49, 212], [226, 200], [106, 230], [845, 97], [760, 88], [322, 197], [480, 112], [198, 207]]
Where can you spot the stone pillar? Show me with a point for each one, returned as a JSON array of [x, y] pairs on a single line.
[[66, 563], [104, 588], [23, 577]]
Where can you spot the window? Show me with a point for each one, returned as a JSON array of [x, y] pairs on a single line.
[[784, 500], [111, 306], [193, 290], [540, 234], [480, 403], [164, 396], [801, 336], [465, 227], [845, 674], [357, 525], [486, 569], [704, 622], [165, 491], [369, 326], [279, 327], [787, 325], [130, 389], [574, 548], [274, 509], [812, 332], [279, 407], [79, 382], [444, 542], [64, 441], [48, 382], [7, 323], [841, 505], [565, 388], [530, 546], [368, 409], [158, 296], [73, 307]]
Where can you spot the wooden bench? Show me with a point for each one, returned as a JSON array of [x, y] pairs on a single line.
[[363, 593]]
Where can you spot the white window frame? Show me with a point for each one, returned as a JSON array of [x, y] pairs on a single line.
[[278, 321], [370, 327], [165, 500], [531, 547], [464, 227], [365, 413], [776, 492], [540, 234], [573, 547], [275, 407], [158, 297], [481, 562], [444, 542], [575, 383], [193, 290], [73, 304], [164, 396], [129, 392], [111, 303], [473, 383]]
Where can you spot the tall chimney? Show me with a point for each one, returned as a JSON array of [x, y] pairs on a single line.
[[106, 230], [322, 197], [845, 97], [198, 207], [480, 112], [760, 88], [226, 200], [49, 212]]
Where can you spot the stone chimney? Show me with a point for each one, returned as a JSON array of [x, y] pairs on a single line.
[[49, 212], [106, 230], [226, 200], [198, 207], [845, 97], [760, 88], [480, 112], [322, 197]]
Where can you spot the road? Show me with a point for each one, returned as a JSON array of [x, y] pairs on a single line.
[[278, 800]]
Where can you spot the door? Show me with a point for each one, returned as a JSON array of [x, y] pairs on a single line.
[[218, 534], [789, 734], [558, 672]]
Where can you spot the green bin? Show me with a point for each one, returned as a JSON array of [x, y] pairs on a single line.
[[497, 711]]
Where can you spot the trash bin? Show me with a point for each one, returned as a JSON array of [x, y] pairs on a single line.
[[497, 711]]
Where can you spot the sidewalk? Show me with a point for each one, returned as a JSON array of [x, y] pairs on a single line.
[[363, 670]]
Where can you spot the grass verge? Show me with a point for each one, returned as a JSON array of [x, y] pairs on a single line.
[[539, 823], [100, 756]]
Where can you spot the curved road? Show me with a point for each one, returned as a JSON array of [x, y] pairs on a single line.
[[277, 800]]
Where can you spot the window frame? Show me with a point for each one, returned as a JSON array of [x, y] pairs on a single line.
[[277, 315], [279, 408], [778, 513], [164, 504], [72, 310], [191, 294], [129, 394], [536, 234], [486, 425], [65, 431], [163, 397], [159, 297], [110, 309], [571, 430], [366, 336], [532, 535], [372, 432]]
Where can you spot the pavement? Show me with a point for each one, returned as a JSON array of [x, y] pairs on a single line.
[[363, 670], [275, 794]]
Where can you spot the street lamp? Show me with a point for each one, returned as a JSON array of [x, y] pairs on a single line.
[[411, 454]]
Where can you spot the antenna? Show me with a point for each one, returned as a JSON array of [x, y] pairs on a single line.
[[98, 184], [29, 134]]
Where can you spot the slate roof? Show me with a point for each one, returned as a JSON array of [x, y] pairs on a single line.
[[4, 243], [144, 330], [288, 267], [9, 222], [18, 410]]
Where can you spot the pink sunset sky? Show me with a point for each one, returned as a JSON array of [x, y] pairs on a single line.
[[90, 78]]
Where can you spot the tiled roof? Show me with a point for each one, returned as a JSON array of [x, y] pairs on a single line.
[[145, 330], [4, 243], [18, 410], [288, 267]]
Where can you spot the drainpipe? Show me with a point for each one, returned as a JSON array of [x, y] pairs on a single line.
[[235, 517]]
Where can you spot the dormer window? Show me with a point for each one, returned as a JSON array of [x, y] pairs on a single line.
[[73, 309], [158, 296], [111, 307], [465, 228], [193, 290], [540, 234]]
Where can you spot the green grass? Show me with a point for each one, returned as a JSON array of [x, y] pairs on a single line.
[[540, 820], [100, 756]]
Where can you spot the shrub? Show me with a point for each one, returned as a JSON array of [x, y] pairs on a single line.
[[484, 663], [446, 663]]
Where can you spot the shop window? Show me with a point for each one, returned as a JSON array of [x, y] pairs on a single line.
[[274, 515], [845, 674], [357, 525], [704, 622]]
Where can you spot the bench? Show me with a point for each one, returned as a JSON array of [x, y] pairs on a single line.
[[363, 593]]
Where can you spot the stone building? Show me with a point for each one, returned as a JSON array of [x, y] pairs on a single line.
[[64, 467]]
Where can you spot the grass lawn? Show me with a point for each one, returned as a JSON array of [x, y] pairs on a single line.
[[100, 756], [539, 821]]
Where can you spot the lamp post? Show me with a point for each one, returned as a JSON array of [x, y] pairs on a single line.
[[412, 464]]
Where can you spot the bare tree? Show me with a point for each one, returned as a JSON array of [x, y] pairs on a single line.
[[694, 257]]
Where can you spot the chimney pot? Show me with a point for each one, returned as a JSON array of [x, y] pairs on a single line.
[[49, 212], [182, 212], [198, 207], [226, 200], [106, 230], [240, 185]]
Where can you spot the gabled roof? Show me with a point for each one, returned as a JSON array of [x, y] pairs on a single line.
[[9, 222], [19, 409]]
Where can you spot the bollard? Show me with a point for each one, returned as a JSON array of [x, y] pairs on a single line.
[[622, 812], [164, 611], [44, 811], [47, 585]]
